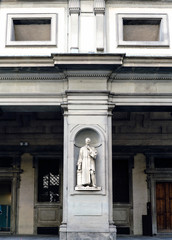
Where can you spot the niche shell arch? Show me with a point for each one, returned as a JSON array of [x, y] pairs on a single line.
[[87, 133]]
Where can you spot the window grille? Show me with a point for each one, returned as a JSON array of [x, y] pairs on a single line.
[[48, 180]]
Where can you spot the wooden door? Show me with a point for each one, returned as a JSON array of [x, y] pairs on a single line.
[[164, 206]]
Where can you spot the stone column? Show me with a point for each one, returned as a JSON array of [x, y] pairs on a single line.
[[87, 212], [26, 196], [74, 11], [140, 195]]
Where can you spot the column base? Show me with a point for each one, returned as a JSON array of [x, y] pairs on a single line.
[[111, 235]]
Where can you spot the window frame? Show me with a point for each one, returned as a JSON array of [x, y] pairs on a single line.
[[39, 16], [164, 30]]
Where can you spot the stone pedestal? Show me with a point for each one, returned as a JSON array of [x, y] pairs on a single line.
[[87, 210]]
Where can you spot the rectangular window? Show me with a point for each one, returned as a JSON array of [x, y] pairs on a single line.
[[48, 180], [142, 30], [31, 29]]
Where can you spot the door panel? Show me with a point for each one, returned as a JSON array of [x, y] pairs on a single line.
[[164, 206]]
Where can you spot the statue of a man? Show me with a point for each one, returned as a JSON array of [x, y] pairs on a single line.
[[86, 164]]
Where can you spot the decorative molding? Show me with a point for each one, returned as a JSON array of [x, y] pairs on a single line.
[[34, 99], [32, 77], [26, 61], [139, 77], [99, 6], [50, 77], [147, 61], [31, 95], [87, 92], [111, 107], [143, 99], [74, 7], [104, 59], [89, 75], [64, 107]]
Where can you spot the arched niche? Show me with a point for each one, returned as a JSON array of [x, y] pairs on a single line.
[[97, 141]]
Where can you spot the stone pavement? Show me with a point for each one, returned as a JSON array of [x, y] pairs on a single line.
[[3, 237], [159, 237]]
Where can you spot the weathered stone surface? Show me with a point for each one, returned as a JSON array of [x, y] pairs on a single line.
[[90, 236]]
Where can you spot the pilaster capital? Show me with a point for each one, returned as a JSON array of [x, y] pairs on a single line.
[[111, 107], [64, 107], [99, 6], [74, 6]]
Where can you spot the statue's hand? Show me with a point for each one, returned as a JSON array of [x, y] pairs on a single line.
[[89, 148]]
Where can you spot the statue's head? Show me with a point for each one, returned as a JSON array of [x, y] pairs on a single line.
[[87, 141]]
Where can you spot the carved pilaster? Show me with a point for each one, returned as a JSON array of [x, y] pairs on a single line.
[[74, 11], [99, 10]]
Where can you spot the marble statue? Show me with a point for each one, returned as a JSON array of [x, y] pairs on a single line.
[[86, 172]]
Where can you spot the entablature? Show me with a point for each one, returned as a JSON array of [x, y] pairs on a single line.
[[68, 60]]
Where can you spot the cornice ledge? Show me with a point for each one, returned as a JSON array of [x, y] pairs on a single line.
[[88, 59], [147, 61], [32, 95], [142, 99], [137, 95], [26, 61]]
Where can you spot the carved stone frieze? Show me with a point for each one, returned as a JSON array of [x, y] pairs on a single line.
[[140, 77], [32, 77]]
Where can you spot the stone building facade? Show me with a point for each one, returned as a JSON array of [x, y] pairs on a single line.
[[77, 69]]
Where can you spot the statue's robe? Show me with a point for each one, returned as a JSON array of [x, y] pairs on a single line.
[[87, 161]]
